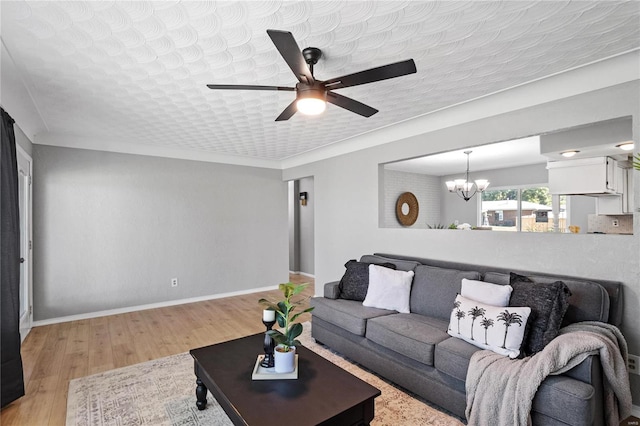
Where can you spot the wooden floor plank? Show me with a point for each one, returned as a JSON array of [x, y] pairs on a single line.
[[75, 365], [78, 338], [53, 355], [101, 351]]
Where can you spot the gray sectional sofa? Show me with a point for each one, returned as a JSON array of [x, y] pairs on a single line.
[[414, 350]]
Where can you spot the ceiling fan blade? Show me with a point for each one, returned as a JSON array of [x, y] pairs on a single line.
[[350, 104], [248, 87], [384, 72], [288, 112], [288, 48]]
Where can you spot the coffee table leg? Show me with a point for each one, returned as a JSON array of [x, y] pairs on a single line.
[[201, 394]]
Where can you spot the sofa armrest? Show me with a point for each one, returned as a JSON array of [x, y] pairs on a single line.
[[588, 371], [332, 290]]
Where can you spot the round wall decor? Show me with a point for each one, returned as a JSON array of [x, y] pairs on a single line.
[[409, 203]]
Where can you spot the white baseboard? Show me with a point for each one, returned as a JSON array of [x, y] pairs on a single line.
[[97, 314], [302, 273], [307, 275]]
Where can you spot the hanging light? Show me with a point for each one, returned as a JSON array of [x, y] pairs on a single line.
[[464, 187]]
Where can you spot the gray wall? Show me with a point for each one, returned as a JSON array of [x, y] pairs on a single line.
[[294, 226], [426, 189], [340, 236], [307, 225], [604, 133], [301, 227], [22, 139], [111, 230]]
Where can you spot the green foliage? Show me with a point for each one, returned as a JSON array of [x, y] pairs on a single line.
[[453, 226], [285, 315], [436, 226], [636, 162], [539, 195], [500, 194]]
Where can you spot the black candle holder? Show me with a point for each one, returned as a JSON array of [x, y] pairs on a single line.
[[269, 346]]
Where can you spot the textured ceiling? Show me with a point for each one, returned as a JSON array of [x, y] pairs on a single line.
[[136, 71]]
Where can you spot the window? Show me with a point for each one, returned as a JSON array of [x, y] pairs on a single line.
[[520, 209]]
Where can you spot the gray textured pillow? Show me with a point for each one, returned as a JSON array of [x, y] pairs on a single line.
[[355, 281], [548, 303]]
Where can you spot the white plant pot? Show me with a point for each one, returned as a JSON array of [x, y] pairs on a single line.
[[285, 362]]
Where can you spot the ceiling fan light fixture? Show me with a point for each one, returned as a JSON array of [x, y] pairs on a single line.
[[311, 106], [312, 101]]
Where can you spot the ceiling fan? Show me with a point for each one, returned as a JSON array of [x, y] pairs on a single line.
[[312, 94]]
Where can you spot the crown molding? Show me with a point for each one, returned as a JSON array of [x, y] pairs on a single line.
[[128, 147]]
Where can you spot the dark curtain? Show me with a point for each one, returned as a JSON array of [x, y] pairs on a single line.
[[11, 379]]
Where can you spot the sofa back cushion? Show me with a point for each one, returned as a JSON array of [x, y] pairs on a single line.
[[589, 301], [435, 289], [355, 281], [401, 265], [548, 303]]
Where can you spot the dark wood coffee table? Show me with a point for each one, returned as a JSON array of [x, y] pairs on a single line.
[[323, 393]]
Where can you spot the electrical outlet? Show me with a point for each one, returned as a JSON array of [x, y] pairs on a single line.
[[174, 282], [634, 364], [615, 223]]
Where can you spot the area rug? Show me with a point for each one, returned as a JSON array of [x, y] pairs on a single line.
[[162, 392]]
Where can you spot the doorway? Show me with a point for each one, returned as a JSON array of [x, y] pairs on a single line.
[[24, 204]]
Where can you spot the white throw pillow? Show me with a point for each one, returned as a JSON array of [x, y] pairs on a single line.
[[388, 289], [497, 328], [489, 293]]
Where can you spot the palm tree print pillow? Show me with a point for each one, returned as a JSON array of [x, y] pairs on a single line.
[[496, 328]]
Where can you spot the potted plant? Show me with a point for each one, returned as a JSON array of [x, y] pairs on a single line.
[[286, 338]]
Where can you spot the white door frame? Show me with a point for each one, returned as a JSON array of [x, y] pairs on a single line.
[[25, 172]]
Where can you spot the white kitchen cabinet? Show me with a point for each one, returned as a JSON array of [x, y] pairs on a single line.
[[585, 176], [618, 204]]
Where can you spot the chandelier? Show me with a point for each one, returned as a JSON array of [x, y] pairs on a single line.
[[464, 187]]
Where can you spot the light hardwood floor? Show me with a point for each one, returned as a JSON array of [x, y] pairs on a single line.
[[53, 355]]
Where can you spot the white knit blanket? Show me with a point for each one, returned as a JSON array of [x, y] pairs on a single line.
[[500, 390]]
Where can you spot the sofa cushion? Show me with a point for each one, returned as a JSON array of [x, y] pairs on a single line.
[[434, 290], [589, 301], [485, 292], [500, 329], [548, 302], [452, 357], [355, 281], [388, 289], [348, 314], [401, 265], [411, 335]]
